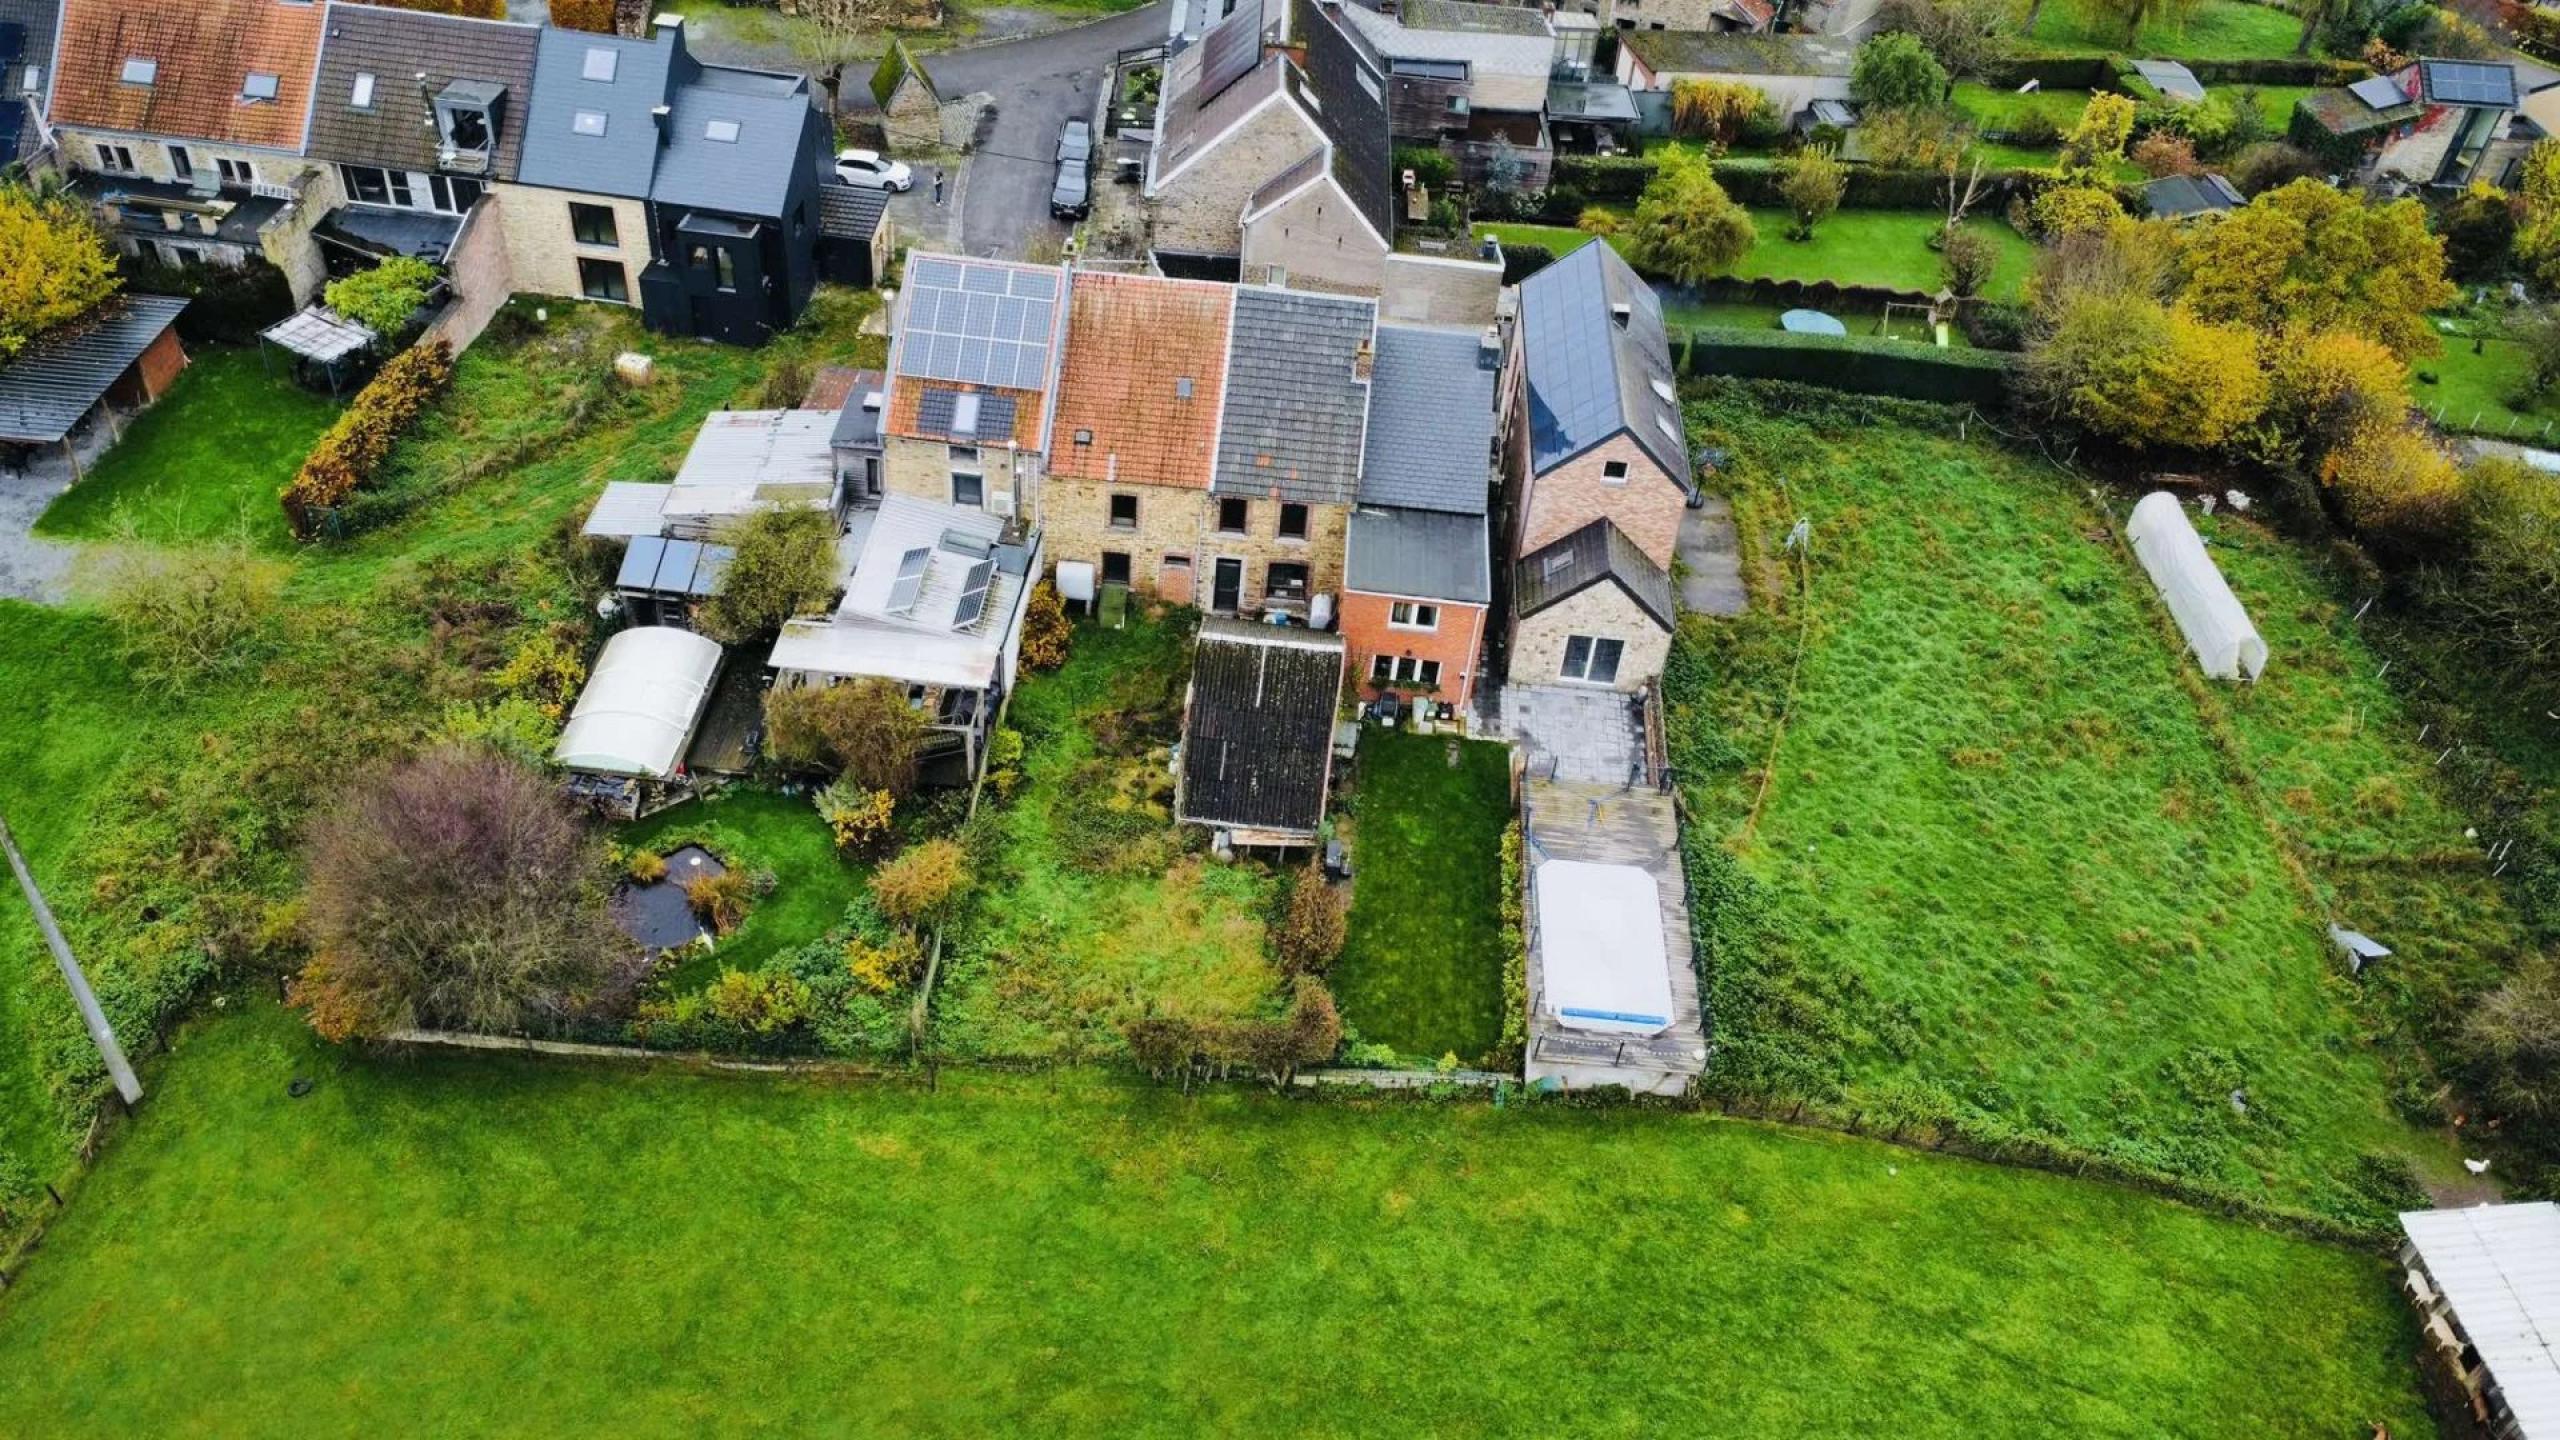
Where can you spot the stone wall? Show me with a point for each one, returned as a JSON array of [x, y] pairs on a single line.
[[1602, 611], [480, 274], [1315, 241], [1200, 209], [1180, 523], [1646, 504], [285, 240], [921, 469], [543, 252], [1457, 643]]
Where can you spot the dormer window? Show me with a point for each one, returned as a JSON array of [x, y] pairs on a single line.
[[724, 131], [599, 63], [139, 71], [361, 96], [588, 122], [258, 85]]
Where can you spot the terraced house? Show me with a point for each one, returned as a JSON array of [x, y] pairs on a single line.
[[971, 365]]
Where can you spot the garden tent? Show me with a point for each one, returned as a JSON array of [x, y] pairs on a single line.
[[641, 704], [2217, 629]]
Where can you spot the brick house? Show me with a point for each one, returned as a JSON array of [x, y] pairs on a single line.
[[971, 366], [1418, 579], [1589, 609]]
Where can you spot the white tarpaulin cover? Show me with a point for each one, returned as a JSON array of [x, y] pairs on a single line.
[[1600, 947], [2498, 1268], [640, 705], [2217, 629]]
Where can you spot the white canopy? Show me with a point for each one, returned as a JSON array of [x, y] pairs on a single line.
[[2227, 645], [1600, 945], [641, 704]]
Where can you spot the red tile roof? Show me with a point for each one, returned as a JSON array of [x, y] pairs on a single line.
[[1143, 375], [205, 51]]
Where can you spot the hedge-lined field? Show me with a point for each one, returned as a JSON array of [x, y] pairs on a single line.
[[1885, 248]]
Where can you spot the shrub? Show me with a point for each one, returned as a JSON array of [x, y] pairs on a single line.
[[54, 264], [786, 384], [760, 1002], [1813, 186], [720, 900], [1896, 72], [453, 889], [782, 564], [1004, 759], [1866, 364], [863, 730], [2073, 209], [1598, 220], [2399, 489], [2161, 153], [354, 449], [2506, 594], [1923, 139], [511, 725], [924, 884], [1045, 629], [1968, 258], [859, 816], [646, 867], [545, 671], [884, 967], [1685, 228], [2144, 375], [1314, 918], [1432, 167], [2097, 140], [2479, 233], [2325, 386], [182, 616], [1716, 111], [2036, 130], [383, 298], [592, 16]]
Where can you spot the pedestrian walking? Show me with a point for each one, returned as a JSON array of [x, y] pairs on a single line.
[[937, 184]]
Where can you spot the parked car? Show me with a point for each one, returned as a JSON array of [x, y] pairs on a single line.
[[873, 171], [1071, 198]]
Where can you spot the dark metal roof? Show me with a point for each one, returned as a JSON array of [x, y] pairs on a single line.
[[54, 381], [2176, 195], [851, 212], [622, 159], [1257, 743], [1589, 376], [1596, 552], [1431, 422], [380, 230], [2477, 83], [775, 144], [1296, 403], [859, 422], [1595, 102], [394, 46], [1424, 553]]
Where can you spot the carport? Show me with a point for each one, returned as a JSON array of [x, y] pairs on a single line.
[[125, 352]]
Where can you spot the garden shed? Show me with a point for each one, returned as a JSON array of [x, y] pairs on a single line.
[[2486, 1283], [641, 703], [2225, 641]]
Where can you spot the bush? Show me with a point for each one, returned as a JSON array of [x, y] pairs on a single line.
[[759, 1002], [782, 564], [1866, 364], [720, 900], [1719, 112], [2161, 153], [546, 671], [2036, 130], [1896, 72], [1993, 326], [383, 298], [2270, 165], [646, 867], [54, 264], [858, 815], [354, 449], [2505, 596], [2479, 231], [1432, 167], [884, 967], [1520, 260], [226, 304], [1045, 628], [924, 884], [592, 16], [2073, 209], [1968, 259], [863, 730], [2399, 489], [1314, 919], [185, 615]]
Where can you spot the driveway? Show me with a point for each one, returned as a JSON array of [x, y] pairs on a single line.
[[1038, 84]]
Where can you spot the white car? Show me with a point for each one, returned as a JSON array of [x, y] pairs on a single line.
[[873, 171]]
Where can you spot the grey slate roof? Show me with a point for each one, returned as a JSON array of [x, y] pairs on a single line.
[[54, 381], [1257, 743], [393, 46], [1431, 422], [622, 160], [1590, 377], [751, 175], [1295, 406], [1596, 552], [1426, 553], [851, 212], [2176, 195], [36, 21]]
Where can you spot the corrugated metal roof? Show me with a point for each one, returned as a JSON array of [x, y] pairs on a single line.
[[1431, 422], [1296, 405], [1598, 551], [54, 381], [1425, 553], [1257, 744], [1589, 376], [772, 147], [2498, 1268], [620, 161], [761, 447]]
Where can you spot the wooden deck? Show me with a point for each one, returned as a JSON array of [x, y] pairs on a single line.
[[1614, 825]]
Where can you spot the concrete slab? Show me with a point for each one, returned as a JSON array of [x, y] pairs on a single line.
[[1573, 734], [1710, 552]]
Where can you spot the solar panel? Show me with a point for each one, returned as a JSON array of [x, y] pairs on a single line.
[[979, 324], [2380, 93], [13, 42], [2469, 83], [973, 595], [910, 582], [1230, 51]]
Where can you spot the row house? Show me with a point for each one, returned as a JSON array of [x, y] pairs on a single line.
[[1468, 78], [965, 417], [26, 70]]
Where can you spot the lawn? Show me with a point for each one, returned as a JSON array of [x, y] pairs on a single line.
[[209, 460], [2002, 108], [1422, 969], [768, 831], [2474, 393], [2217, 30], [2003, 861], [464, 1245], [1854, 247]]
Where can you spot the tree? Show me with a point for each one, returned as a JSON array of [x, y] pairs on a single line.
[[1718, 111], [2538, 228], [2512, 1040], [2140, 373], [783, 563], [2322, 259], [1968, 37], [924, 884], [383, 298], [1894, 71], [2506, 594], [2125, 257], [863, 730], [2400, 491], [2479, 232], [54, 264], [1685, 227], [2324, 386], [1967, 260], [1812, 181], [2538, 333], [2097, 139], [454, 889], [2316, 13], [1314, 920], [2162, 153]]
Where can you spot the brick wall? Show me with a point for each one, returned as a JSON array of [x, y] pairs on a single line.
[[1320, 241], [543, 252], [1457, 643], [1200, 209], [1646, 505], [481, 276], [1076, 519], [160, 364], [1602, 610], [922, 469], [285, 240]]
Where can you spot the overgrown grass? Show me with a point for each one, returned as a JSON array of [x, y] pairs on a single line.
[[2004, 862], [208, 461], [1854, 247], [1422, 968], [772, 831], [2216, 30], [454, 1244]]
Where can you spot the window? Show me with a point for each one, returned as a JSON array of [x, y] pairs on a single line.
[[366, 185], [361, 97], [138, 71], [181, 164], [1592, 661], [1369, 83], [465, 128], [593, 225], [258, 85], [602, 280], [587, 122], [1403, 670], [1293, 522], [239, 174], [454, 194], [1614, 471], [401, 194], [1115, 568], [728, 268], [1284, 580], [1124, 512], [1231, 517], [698, 256], [115, 158], [599, 63], [968, 478], [1410, 615], [724, 132]]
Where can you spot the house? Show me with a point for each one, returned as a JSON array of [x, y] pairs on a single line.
[[1794, 71], [1469, 78], [2486, 1284], [1590, 608], [121, 356], [1257, 733], [934, 603], [971, 363], [2178, 197], [1588, 111], [1289, 449], [26, 68], [860, 440], [2461, 134], [624, 746], [183, 126], [1418, 569]]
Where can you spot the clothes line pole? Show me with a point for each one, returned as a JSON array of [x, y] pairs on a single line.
[[99, 1030]]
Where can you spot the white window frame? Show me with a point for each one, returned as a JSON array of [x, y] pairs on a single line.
[[116, 159], [1613, 472], [1386, 669], [251, 88], [1592, 644], [1412, 615], [360, 95]]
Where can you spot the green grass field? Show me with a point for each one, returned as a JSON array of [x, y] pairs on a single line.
[[776, 832], [2475, 393], [1422, 967], [2002, 850], [474, 1245], [2217, 30], [1855, 247], [209, 460]]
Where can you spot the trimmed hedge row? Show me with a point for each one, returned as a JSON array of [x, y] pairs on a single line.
[[1868, 365], [1755, 179], [355, 447]]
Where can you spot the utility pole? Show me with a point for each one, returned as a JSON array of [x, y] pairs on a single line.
[[87, 999]]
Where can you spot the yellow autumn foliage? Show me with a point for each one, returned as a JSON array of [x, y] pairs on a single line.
[[54, 265]]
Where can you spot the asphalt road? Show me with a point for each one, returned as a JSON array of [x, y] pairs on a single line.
[[1037, 84]]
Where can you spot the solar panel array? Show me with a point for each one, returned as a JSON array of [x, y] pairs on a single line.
[[978, 324], [973, 595], [2381, 92], [2455, 82], [1230, 50], [910, 582]]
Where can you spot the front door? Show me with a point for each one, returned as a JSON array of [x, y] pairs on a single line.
[[1173, 580], [1226, 591]]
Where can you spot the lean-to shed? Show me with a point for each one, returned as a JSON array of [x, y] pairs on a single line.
[[2226, 643]]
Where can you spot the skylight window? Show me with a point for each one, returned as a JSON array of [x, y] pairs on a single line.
[[362, 96], [724, 131], [600, 62], [588, 122], [138, 71], [257, 85]]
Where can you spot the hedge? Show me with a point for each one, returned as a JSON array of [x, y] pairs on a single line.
[[1582, 180], [1869, 365], [355, 447], [229, 305]]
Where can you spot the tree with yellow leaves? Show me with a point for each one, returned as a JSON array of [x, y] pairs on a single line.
[[2319, 258], [2400, 490], [2138, 372], [54, 265], [2099, 137], [2538, 232], [2324, 386]]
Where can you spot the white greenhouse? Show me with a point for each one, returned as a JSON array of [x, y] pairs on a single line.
[[641, 704], [2227, 645]]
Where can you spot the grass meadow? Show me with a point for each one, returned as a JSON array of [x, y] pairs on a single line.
[[1421, 969], [1887, 248]]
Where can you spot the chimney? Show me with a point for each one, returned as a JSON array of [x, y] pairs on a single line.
[[1621, 313], [662, 116], [668, 29], [1489, 348], [1363, 361]]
